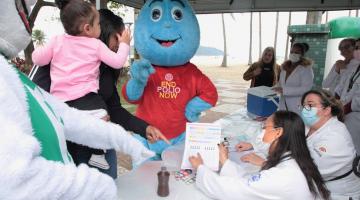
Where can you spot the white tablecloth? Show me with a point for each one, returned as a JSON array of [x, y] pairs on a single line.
[[141, 183]]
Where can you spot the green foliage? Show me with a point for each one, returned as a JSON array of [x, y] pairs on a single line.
[[38, 36], [116, 8]]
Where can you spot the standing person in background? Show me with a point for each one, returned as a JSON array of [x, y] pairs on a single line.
[[296, 77], [265, 71], [348, 91], [330, 143], [346, 48]]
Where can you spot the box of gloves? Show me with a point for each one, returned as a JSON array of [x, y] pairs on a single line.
[[262, 101]]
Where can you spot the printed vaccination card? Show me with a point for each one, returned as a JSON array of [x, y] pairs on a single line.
[[202, 138]]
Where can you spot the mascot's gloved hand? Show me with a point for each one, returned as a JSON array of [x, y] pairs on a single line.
[[194, 108], [140, 71]]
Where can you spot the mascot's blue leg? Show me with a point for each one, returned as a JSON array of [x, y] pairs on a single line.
[[159, 146], [194, 108]]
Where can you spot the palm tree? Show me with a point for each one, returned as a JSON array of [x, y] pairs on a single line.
[[276, 29], [260, 42], [224, 61], [38, 37], [250, 45], [287, 39]]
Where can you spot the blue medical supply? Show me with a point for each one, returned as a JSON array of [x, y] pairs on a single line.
[[262, 101]]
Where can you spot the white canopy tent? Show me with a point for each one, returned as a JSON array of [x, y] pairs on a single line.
[[228, 6]]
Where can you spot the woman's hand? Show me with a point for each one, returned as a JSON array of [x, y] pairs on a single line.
[[243, 146], [125, 36], [257, 71], [153, 134], [339, 65], [253, 158], [223, 154], [196, 161]]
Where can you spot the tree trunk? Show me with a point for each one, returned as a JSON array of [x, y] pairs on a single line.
[[276, 29], [260, 40], [35, 11], [313, 17], [287, 39], [224, 61], [250, 45]]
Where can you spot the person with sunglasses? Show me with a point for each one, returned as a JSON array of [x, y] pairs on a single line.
[[330, 143], [348, 91], [346, 48], [288, 173]]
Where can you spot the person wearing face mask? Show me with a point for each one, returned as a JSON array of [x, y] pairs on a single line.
[[330, 143], [296, 77], [288, 173], [348, 91], [340, 68], [265, 71]]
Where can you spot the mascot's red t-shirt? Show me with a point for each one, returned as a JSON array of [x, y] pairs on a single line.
[[167, 93]]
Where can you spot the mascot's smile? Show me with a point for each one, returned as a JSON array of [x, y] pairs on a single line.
[[166, 43]]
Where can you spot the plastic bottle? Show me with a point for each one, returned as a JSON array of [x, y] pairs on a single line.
[[163, 182]]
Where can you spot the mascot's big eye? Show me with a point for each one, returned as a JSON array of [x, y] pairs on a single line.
[[177, 14], [156, 14]]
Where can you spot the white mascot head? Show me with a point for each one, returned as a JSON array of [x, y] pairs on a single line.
[[15, 33]]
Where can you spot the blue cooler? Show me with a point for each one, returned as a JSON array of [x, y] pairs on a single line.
[[262, 101]]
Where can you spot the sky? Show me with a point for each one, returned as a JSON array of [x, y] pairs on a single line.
[[237, 27]]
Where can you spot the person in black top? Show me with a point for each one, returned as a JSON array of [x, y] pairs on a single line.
[[265, 71], [110, 25]]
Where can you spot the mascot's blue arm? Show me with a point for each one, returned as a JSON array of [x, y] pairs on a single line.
[[140, 71], [194, 108]]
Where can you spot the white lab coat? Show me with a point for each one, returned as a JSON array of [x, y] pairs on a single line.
[[352, 120], [333, 151], [299, 82], [333, 78], [284, 181]]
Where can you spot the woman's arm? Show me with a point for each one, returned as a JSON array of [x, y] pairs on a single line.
[[249, 74], [306, 82]]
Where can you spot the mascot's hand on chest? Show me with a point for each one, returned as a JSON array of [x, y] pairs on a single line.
[[168, 88]]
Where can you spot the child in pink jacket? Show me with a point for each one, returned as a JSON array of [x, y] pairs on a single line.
[[75, 58]]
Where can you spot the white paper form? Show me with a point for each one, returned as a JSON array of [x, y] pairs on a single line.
[[202, 138]]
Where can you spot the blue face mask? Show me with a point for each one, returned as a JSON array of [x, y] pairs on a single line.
[[309, 116]]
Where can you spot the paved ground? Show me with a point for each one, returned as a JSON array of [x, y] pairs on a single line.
[[232, 96]]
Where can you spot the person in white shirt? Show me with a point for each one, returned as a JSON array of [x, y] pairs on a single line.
[[289, 172], [348, 92], [296, 77], [346, 48], [330, 143]]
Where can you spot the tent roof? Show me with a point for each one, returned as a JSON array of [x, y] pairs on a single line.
[[227, 6]]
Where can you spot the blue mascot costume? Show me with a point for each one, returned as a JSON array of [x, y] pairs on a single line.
[[168, 89]]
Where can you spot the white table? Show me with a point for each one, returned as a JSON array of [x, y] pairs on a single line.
[[141, 183]]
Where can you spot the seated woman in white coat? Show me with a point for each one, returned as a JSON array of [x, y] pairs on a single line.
[[330, 143], [289, 172], [296, 77]]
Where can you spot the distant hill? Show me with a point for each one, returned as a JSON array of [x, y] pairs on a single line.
[[208, 51], [203, 51]]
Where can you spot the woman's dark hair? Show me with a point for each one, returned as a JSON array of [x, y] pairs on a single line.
[[293, 141], [303, 46], [74, 13], [327, 100], [110, 24]]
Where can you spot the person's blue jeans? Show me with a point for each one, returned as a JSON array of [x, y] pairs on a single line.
[[159, 146]]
